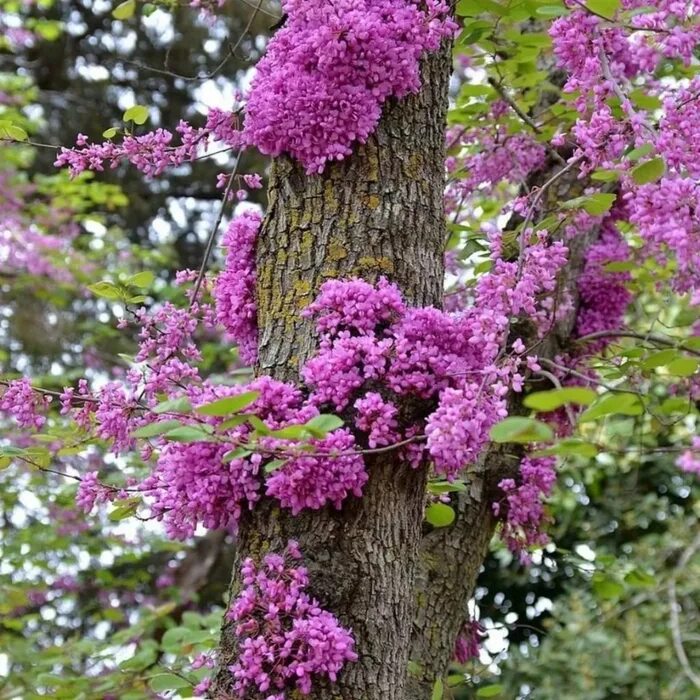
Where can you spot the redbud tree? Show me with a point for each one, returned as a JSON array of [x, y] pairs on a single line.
[[480, 248]]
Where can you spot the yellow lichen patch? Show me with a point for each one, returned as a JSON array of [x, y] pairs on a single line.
[[413, 167], [302, 291], [330, 198], [307, 241], [337, 251], [373, 201], [372, 163], [376, 264]]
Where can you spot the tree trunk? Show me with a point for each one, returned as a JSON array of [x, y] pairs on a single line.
[[380, 212]]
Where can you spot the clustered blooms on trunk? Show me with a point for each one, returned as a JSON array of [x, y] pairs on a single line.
[[234, 291], [321, 86], [285, 639]]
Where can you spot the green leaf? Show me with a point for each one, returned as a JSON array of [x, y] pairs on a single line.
[[623, 403], [106, 290], [551, 400], [521, 429], [649, 171], [605, 175], [607, 588], [167, 681], [137, 114], [228, 405], [11, 131], [178, 405], [153, 429], [660, 359], [594, 204], [109, 133], [238, 453], [438, 690], [258, 425], [174, 638], [322, 424], [570, 448], [124, 509], [683, 367], [440, 514], [599, 204], [607, 8], [189, 433], [142, 279], [124, 10], [235, 421], [291, 432], [440, 487], [489, 691], [274, 465], [640, 151], [551, 11], [640, 579]]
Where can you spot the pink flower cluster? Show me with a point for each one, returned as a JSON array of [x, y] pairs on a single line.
[[328, 71], [368, 336], [234, 290], [91, 492], [286, 640], [603, 296], [468, 642], [667, 215], [152, 152], [489, 155], [19, 400], [522, 511], [194, 484], [689, 461]]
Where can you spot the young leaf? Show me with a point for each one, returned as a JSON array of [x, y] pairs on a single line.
[[521, 429], [551, 400], [606, 8], [178, 405], [319, 426], [228, 405], [274, 465], [167, 681], [648, 171], [153, 429], [142, 279], [189, 433], [137, 114], [124, 10], [106, 290], [439, 514], [623, 403]]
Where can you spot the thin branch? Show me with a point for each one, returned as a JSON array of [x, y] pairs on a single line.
[[496, 85], [212, 235], [649, 337], [674, 617]]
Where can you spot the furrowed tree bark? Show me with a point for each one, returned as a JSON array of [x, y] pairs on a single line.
[[378, 213]]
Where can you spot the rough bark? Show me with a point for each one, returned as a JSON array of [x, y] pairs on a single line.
[[378, 213]]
